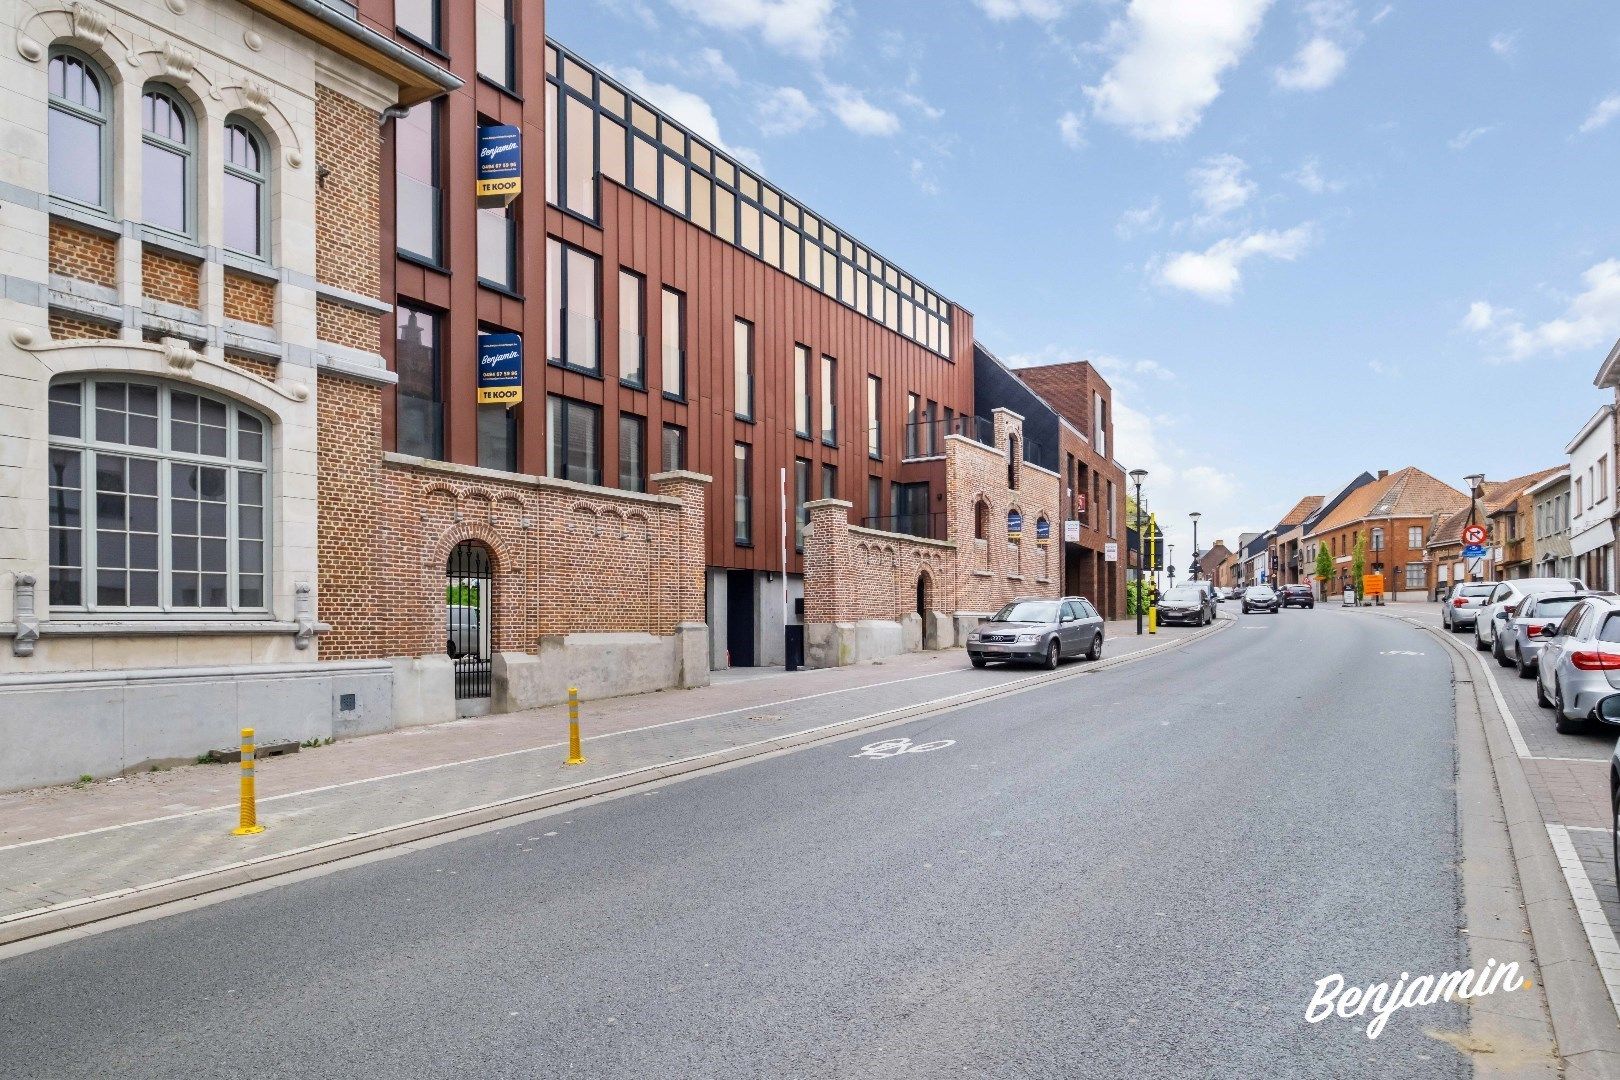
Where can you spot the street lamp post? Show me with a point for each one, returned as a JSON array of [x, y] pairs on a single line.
[[1137, 476], [1474, 481], [1195, 515]]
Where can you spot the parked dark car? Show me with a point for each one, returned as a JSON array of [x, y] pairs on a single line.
[[1298, 596], [1187, 604], [1038, 630], [1260, 598]]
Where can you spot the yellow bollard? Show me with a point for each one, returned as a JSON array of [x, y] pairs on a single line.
[[249, 814], [575, 756], [1153, 619]]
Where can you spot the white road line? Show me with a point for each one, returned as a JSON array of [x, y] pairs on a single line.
[[1605, 949], [552, 746], [1519, 745], [1588, 828]]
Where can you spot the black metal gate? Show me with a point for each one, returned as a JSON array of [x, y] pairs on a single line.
[[467, 600]]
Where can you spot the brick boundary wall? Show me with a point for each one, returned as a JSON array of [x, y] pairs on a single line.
[[853, 573]]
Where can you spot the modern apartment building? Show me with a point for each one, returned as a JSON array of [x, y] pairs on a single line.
[[191, 221]]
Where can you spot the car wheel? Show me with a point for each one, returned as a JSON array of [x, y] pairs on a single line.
[[1095, 652], [1541, 696], [1479, 642], [977, 661], [1525, 670], [1563, 724], [450, 649], [1500, 654], [1053, 655]]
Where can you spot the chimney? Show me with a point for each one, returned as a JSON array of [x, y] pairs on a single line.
[[1382, 473]]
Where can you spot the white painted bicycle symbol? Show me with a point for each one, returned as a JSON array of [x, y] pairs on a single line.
[[889, 748]]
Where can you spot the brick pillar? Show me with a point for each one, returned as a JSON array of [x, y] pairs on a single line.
[[827, 561], [683, 561]]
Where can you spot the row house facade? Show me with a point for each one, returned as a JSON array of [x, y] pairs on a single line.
[[1550, 511], [1592, 499], [1395, 514]]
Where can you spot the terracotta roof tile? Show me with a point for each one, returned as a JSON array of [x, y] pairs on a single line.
[[1411, 492], [1302, 510]]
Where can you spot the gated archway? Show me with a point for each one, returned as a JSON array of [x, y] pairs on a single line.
[[469, 604]]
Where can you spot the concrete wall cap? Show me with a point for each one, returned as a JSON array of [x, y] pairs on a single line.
[[677, 475], [473, 472], [816, 504]]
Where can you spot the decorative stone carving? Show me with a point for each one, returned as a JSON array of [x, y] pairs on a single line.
[[22, 337], [178, 64], [177, 6], [253, 40], [90, 24], [304, 614], [179, 355], [27, 616], [295, 158], [29, 49], [256, 96]]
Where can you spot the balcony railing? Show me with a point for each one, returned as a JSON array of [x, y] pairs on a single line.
[[926, 438], [932, 526]]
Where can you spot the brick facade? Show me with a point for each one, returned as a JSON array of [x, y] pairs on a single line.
[[67, 326], [264, 369], [853, 573], [347, 326], [348, 203], [169, 279], [991, 566], [79, 253], [250, 300]]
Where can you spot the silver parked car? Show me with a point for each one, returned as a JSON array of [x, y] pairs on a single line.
[[1518, 644], [1461, 608], [1187, 604], [1505, 599], [1039, 630], [1580, 661], [465, 637]]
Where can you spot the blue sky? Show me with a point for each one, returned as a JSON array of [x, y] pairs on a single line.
[[1303, 237]]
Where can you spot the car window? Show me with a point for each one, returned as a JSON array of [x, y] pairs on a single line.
[[1087, 610], [1588, 622], [1044, 611], [1571, 620], [1070, 610], [1184, 592], [1611, 628], [1551, 607], [1476, 590]]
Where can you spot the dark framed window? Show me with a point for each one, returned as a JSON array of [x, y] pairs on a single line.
[[495, 41], [632, 329], [674, 343], [246, 190], [158, 499], [829, 481], [874, 417], [419, 414], [913, 425], [931, 428], [802, 391], [418, 202], [497, 438], [572, 286], [419, 19], [574, 450], [829, 401], [742, 499], [674, 458], [911, 508], [498, 246], [874, 498], [80, 112], [168, 162], [742, 370], [632, 452], [801, 495]]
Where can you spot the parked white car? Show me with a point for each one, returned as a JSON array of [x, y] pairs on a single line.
[[1579, 665], [1504, 601]]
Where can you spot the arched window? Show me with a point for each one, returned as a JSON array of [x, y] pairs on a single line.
[[245, 190], [981, 520], [168, 179], [157, 499], [79, 114]]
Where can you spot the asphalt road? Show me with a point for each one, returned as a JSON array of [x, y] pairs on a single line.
[[1138, 873]]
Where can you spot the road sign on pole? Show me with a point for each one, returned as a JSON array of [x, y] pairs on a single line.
[[1473, 535]]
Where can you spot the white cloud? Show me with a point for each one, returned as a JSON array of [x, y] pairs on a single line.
[[1138, 220], [1002, 10], [1220, 186], [1309, 176], [920, 105], [1378, 367], [1169, 59], [860, 115], [1464, 139], [1504, 45], [690, 109], [1383, 13], [923, 177], [1317, 64], [1216, 272], [1601, 114], [784, 111], [711, 63], [1072, 130], [807, 28], [1591, 320]]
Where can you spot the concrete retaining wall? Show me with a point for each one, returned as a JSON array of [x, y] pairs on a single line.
[[55, 728], [600, 666], [843, 643]]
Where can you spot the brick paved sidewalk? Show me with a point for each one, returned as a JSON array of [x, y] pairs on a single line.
[[65, 844]]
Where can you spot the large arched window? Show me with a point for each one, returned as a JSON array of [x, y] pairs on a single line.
[[79, 114], [168, 172], [246, 166], [157, 499]]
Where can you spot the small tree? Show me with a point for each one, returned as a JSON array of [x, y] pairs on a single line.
[[1358, 565], [1324, 565]]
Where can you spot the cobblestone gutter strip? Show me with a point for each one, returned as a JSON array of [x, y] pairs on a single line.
[[41, 927], [1583, 1016]]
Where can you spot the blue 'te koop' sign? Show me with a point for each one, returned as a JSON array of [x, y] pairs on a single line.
[[500, 161], [500, 369]]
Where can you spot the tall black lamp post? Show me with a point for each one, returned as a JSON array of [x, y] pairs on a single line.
[[1195, 515], [1474, 481], [1137, 476]]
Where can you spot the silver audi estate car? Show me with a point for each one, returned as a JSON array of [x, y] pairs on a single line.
[[1039, 630]]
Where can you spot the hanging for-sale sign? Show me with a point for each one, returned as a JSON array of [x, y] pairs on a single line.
[[500, 369]]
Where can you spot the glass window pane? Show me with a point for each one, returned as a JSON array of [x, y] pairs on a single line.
[[611, 140], [553, 133], [675, 183], [702, 212], [419, 426], [243, 200], [632, 342], [65, 411], [420, 18], [725, 214], [580, 185], [742, 495], [493, 36], [497, 438], [674, 457], [75, 157], [644, 175], [163, 188], [632, 452], [750, 227], [497, 244]]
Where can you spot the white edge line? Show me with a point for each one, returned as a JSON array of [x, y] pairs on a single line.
[[552, 746], [1599, 934], [18, 916]]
